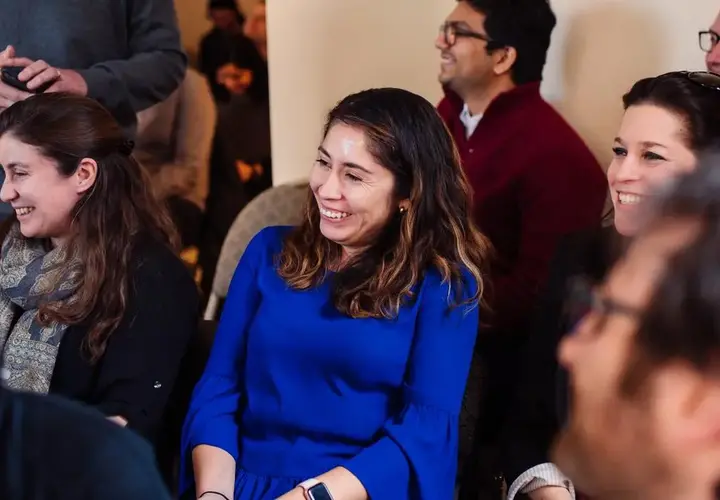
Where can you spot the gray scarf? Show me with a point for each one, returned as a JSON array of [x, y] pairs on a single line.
[[30, 276]]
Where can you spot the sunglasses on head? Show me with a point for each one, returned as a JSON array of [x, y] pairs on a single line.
[[705, 79]]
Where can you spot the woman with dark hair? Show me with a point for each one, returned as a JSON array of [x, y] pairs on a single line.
[[669, 121], [340, 360], [94, 303]]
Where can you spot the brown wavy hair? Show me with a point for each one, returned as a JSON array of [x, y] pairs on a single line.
[[106, 220], [406, 135]]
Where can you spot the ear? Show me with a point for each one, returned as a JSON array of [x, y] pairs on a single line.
[[695, 398], [404, 205], [85, 175], [504, 60]]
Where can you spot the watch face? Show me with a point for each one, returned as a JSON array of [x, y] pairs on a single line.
[[319, 492]]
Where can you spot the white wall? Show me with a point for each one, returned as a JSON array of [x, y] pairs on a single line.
[[322, 50]]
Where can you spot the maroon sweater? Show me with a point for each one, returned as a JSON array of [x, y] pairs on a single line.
[[534, 180]]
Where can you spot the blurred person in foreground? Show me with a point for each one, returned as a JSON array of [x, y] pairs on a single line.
[[644, 362], [669, 121], [54, 449]]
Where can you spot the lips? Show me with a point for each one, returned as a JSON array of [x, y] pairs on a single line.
[[22, 211], [629, 198], [333, 214]]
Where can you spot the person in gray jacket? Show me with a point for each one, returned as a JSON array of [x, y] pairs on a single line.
[[126, 54]]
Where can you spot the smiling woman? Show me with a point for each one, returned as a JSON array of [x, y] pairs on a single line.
[[94, 304], [340, 361], [668, 120]]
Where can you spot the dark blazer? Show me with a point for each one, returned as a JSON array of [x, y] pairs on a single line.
[[136, 374], [55, 449], [540, 404]]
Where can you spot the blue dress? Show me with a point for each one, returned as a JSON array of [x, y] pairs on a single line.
[[294, 389]]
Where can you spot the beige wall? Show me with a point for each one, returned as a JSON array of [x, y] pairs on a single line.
[[321, 50], [192, 18]]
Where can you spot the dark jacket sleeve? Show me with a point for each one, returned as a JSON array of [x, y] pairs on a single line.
[[153, 68], [143, 355]]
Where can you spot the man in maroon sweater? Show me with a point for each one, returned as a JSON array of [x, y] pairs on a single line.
[[533, 177]]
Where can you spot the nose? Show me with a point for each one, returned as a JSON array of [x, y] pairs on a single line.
[[440, 42], [331, 188], [627, 170], [7, 191], [713, 59], [568, 351]]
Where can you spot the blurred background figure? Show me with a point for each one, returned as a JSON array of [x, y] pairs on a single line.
[[226, 44], [174, 144], [241, 165]]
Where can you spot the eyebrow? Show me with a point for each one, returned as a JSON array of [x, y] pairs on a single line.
[[14, 164], [347, 163], [646, 144], [460, 24]]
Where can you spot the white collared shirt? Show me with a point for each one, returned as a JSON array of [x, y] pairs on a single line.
[[470, 121]]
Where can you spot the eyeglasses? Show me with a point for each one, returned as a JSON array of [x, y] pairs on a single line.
[[708, 40], [584, 299], [451, 31]]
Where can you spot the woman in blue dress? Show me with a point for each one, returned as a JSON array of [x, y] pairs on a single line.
[[341, 357]]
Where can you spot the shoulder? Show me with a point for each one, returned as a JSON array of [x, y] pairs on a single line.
[[435, 289], [155, 268], [269, 240], [559, 138], [450, 105]]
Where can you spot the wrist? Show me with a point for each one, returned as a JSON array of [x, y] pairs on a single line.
[[212, 494]]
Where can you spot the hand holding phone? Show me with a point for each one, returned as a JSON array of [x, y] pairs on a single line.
[[9, 75]]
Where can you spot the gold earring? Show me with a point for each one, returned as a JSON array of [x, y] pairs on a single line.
[[403, 210]]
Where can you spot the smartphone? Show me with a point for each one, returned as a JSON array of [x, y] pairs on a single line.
[[9, 75]]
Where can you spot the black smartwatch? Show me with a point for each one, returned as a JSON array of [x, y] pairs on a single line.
[[315, 490]]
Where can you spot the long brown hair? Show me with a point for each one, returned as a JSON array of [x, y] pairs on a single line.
[[405, 135], [107, 219]]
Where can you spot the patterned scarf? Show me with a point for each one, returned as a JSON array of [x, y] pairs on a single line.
[[30, 276]]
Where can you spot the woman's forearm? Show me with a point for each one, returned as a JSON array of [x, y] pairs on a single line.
[[214, 470], [342, 484]]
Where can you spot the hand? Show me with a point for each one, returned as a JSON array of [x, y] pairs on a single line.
[[550, 493], [38, 73], [121, 421], [294, 494], [9, 95], [234, 78]]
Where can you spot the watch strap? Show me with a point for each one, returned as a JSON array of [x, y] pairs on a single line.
[[315, 490]]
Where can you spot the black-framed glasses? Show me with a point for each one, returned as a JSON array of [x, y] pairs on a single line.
[[452, 30], [708, 40], [584, 298], [705, 79]]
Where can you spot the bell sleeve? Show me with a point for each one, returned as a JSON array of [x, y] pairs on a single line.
[[415, 456]]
